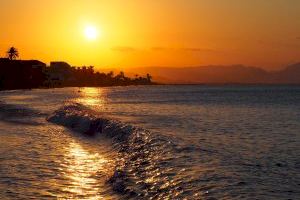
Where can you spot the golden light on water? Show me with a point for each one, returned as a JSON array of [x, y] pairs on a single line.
[[82, 169], [92, 97]]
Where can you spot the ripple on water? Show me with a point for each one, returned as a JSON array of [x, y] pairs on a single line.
[[62, 165]]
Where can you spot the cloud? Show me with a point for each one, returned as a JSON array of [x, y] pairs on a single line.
[[280, 44], [123, 49], [197, 49], [190, 49], [159, 48], [126, 49]]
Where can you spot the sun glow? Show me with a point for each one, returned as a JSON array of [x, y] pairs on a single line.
[[91, 32]]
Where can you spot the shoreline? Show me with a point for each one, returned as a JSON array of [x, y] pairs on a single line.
[[168, 84]]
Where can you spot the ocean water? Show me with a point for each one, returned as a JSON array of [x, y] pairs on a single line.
[[151, 142]]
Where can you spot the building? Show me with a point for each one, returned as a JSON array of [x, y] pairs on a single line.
[[18, 74], [58, 73], [59, 65]]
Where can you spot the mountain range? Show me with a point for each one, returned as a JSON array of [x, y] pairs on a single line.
[[214, 74]]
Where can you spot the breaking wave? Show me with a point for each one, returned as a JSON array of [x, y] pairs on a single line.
[[144, 159]]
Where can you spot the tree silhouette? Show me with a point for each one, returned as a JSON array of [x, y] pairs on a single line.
[[12, 53], [110, 74], [149, 77]]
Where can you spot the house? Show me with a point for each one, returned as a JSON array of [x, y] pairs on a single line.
[[18, 74], [59, 65], [58, 73]]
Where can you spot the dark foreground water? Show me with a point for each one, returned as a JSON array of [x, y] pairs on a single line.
[[152, 142]]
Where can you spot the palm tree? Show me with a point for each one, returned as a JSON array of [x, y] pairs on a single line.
[[149, 77], [91, 69], [12, 53], [110, 74]]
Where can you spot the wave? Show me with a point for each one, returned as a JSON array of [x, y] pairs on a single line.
[[144, 159], [19, 114]]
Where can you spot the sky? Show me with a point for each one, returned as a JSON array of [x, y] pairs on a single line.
[[134, 33]]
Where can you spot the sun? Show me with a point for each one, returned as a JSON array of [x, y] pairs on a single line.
[[91, 32]]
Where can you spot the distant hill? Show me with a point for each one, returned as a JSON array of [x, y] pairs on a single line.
[[221, 74], [290, 74]]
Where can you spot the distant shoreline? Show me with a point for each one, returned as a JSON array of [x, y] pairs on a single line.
[[162, 84], [232, 84], [27, 74], [46, 88], [219, 74]]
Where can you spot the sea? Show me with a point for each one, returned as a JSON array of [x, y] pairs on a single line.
[[151, 142]]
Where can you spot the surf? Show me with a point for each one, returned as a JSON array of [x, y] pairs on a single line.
[[139, 151]]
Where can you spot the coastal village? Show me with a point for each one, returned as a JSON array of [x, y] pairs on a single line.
[[25, 74]]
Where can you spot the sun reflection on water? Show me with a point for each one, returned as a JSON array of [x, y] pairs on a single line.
[[91, 97], [83, 171]]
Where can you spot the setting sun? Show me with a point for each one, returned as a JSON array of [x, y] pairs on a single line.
[[91, 32]]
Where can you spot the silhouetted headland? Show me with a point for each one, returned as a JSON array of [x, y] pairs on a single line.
[[25, 74], [216, 74]]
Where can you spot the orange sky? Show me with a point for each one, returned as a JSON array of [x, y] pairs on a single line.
[[133, 33]]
